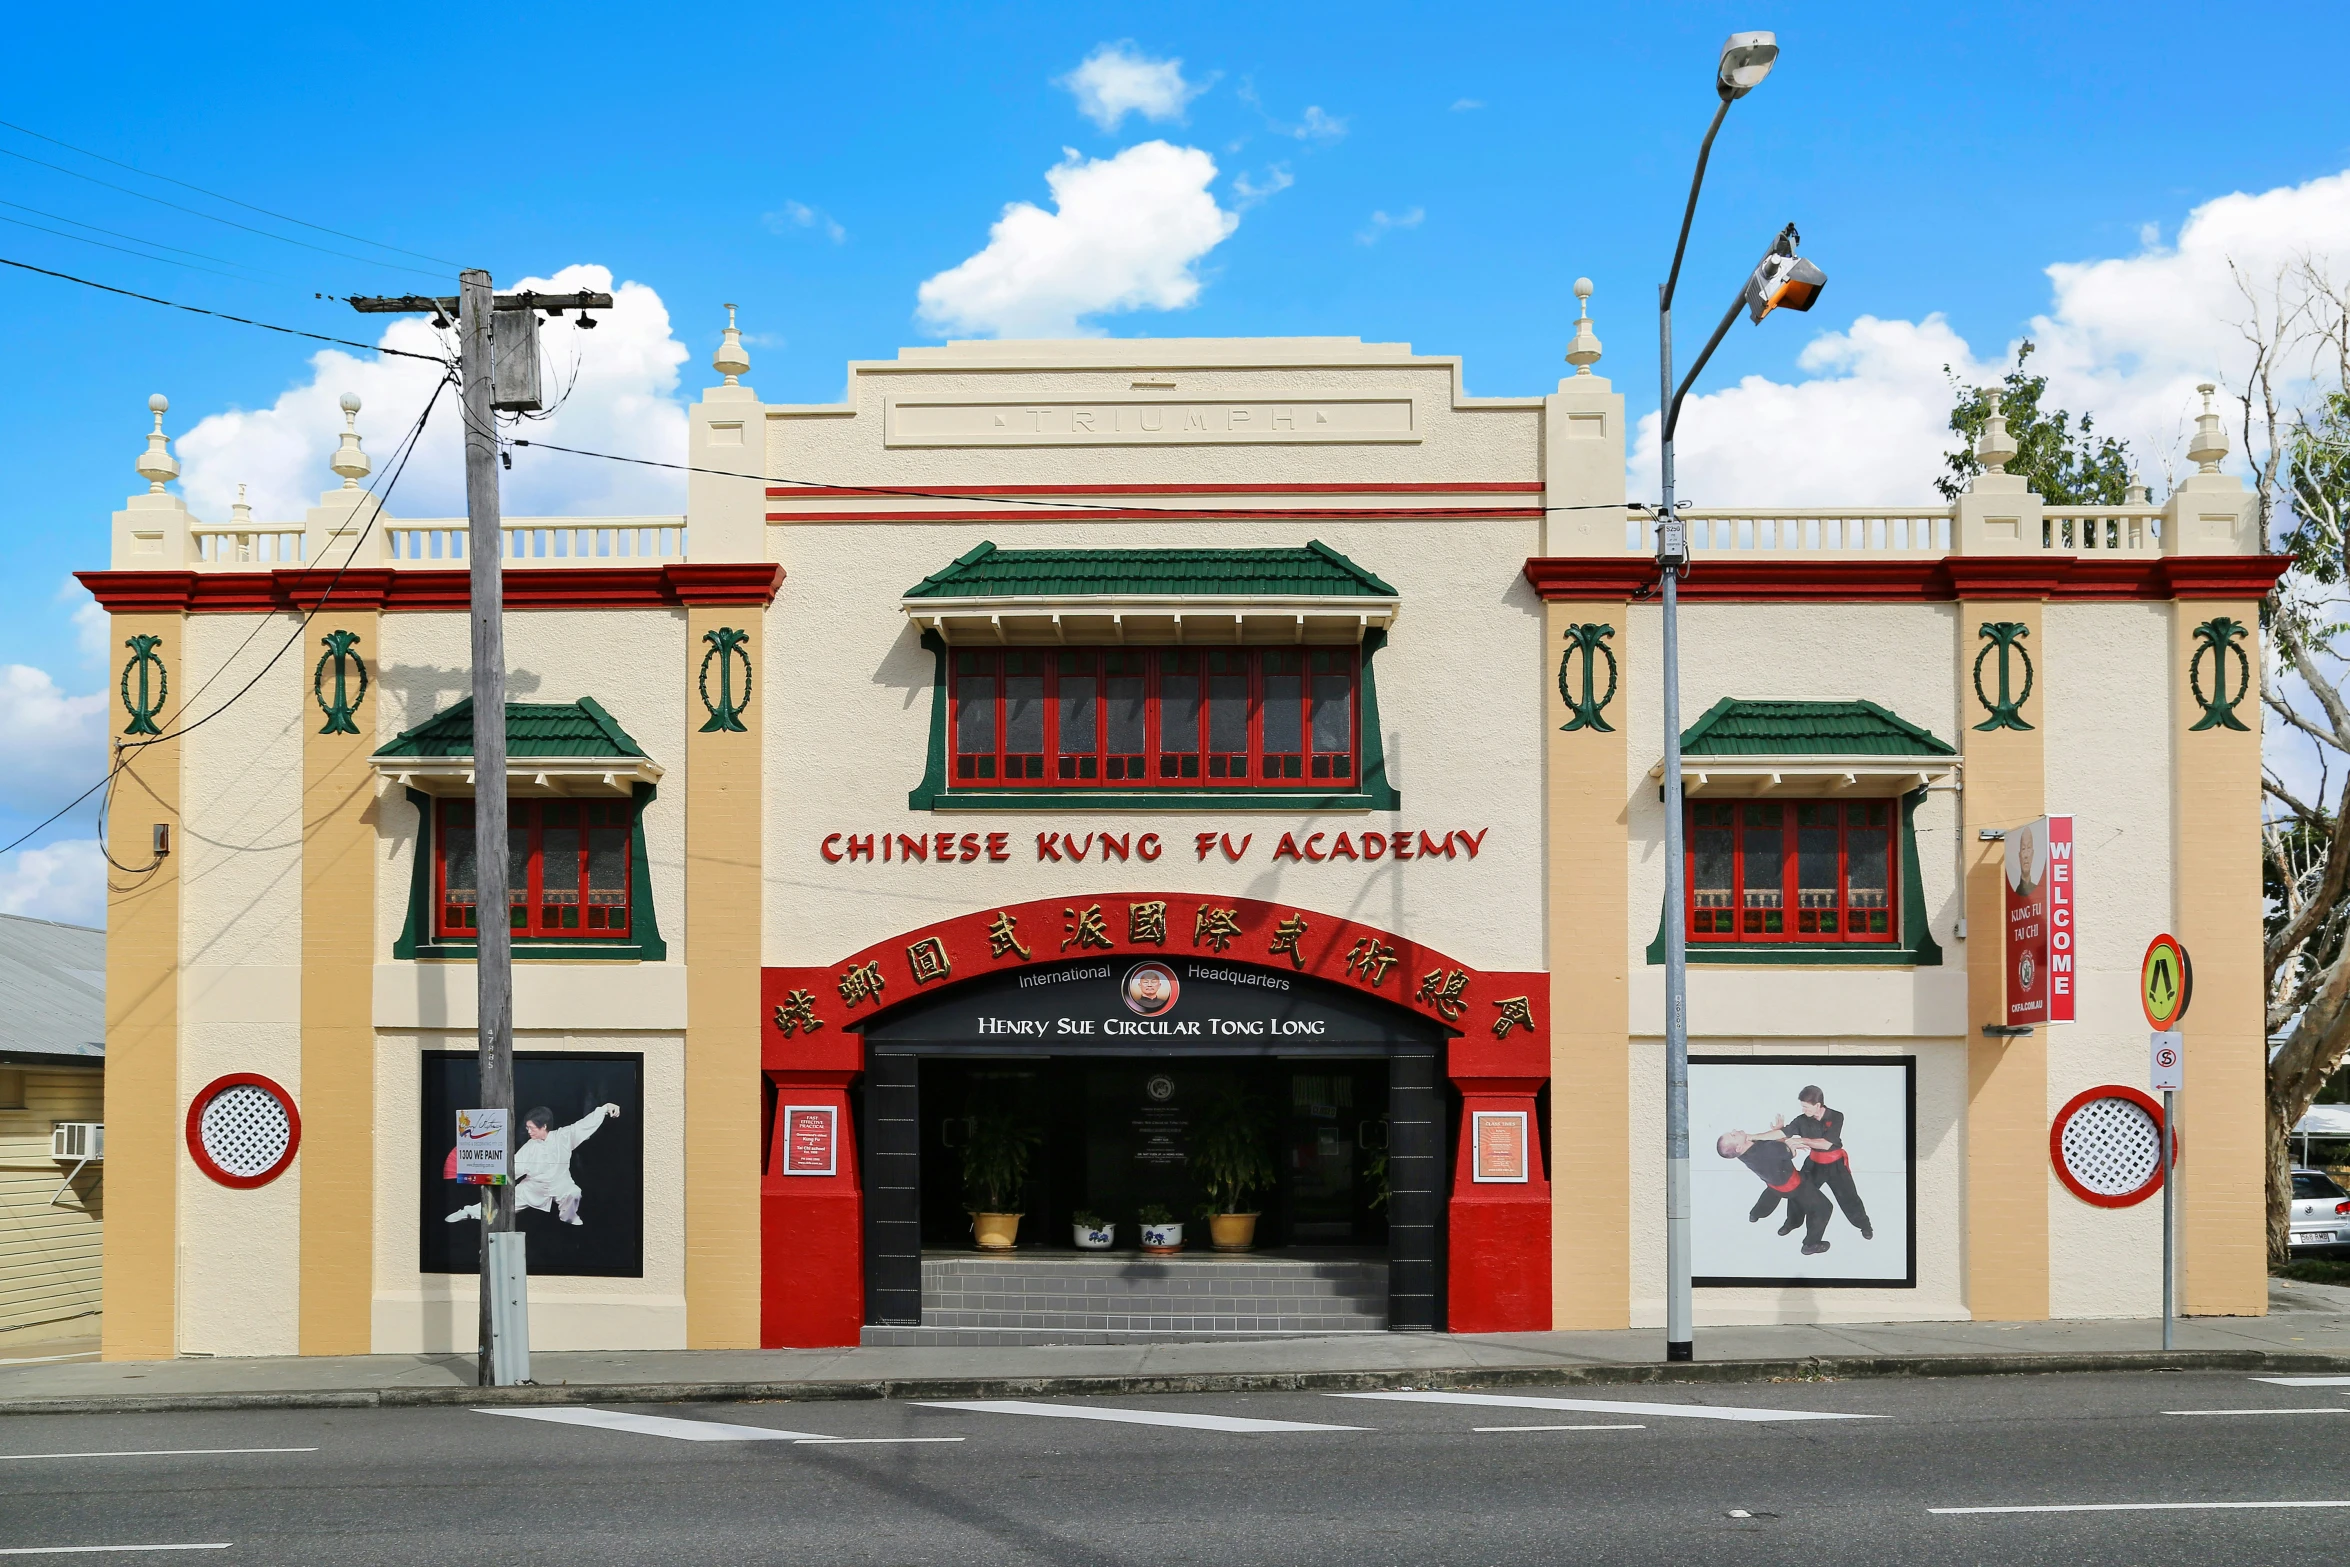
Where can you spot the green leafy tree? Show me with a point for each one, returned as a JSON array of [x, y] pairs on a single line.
[[2065, 466]]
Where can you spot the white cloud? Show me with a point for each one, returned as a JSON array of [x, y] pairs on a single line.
[[1318, 126], [1464, 105], [55, 741], [63, 881], [1249, 193], [1118, 79], [1383, 222], [93, 628], [624, 400], [799, 215], [2125, 339], [1127, 234]]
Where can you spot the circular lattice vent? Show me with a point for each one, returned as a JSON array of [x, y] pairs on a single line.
[[2107, 1146], [243, 1130]]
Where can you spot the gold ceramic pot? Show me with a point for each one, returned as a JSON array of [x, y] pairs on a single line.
[[1232, 1231], [996, 1231]]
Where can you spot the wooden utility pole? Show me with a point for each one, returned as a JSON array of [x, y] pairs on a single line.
[[494, 964], [475, 307]]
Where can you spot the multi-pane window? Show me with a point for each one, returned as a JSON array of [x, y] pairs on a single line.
[[1182, 718], [1801, 871], [566, 868]]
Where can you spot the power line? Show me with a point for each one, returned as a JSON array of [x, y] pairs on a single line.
[[217, 196], [1324, 513], [222, 315], [40, 228], [212, 217]]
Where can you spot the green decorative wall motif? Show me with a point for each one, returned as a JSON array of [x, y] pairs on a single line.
[[1584, 712], [2006, 638], [726, 646], [154, 685], [2219, 637], [342, 651]]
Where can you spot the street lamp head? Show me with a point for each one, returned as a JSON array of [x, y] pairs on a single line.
[[1746, 60], [1784, 280]]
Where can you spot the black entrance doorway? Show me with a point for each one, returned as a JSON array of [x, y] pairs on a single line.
[[1111, 1064]]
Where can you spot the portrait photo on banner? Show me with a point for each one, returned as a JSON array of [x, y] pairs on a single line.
[[1803, 1170], [577, 1165]]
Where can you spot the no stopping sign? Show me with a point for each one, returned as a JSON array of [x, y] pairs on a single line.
[[2106, 1144]]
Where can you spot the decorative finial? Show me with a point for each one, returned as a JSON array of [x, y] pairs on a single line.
[[240, 513], [2136, 494], [1995, 446], [2211, 440], [349, 459], [732, 360], [1583, 352], [156, 465]]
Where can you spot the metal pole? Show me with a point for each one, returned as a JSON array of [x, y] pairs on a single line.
[[1671, 551], [494, 968], [2169, 1103]]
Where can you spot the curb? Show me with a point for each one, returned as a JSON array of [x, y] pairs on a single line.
[[1812, 1368]]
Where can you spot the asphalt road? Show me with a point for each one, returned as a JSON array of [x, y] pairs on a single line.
[[1226, 1479]]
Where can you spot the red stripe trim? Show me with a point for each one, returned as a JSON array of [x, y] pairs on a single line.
[[1613, 578], [751, 584], [1181, 513], [850, 492]]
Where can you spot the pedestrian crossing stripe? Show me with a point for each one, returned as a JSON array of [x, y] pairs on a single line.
[[1137, 1417], [1604, 1406]]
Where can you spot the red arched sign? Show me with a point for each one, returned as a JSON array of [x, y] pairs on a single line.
[[2106, 1144], [243, 1130]]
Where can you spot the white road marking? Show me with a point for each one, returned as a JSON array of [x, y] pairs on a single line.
[[2133, 1507], [2318, 1409], [1557, 1428], [1602, 1406], [1135, 1417], [80, 1550], [153, 1452], [47, 1360], [658, 1425], [873, 1441], [2304, 1381]]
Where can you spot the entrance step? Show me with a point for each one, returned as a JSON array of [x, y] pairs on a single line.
[[1043, 1298]]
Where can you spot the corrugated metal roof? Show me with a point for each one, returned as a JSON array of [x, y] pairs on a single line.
[[54, 979], [1315, 570], [1735, 727], [580, 728]]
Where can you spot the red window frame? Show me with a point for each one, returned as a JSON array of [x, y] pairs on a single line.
[[1063, 718], [549, 900], [1739, 914]]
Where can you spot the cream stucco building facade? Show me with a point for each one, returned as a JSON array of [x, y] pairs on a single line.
[[914, 715]]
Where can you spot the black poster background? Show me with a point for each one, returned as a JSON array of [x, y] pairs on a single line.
[[609, 1240]]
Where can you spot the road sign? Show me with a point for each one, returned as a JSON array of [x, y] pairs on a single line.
[[2166, 982], [2167, 1060], [481, 1147]]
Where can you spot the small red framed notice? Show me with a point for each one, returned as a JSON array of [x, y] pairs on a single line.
[[811, 1140], [1500, 1138]]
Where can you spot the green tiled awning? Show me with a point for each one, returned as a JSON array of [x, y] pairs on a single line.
[[581, 730], [1738, 727], [1313, 570]]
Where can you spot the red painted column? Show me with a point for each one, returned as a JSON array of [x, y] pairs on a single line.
[[811, 1226], [1498, 1252]]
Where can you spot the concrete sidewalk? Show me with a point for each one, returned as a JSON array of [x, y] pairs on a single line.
[[2308, 1330]]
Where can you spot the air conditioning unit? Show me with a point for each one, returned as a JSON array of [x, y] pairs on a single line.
[[80, 1141]]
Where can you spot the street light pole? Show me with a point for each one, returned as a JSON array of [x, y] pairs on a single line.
[[1746, 59]]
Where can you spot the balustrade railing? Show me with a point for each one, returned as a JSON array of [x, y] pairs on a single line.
[[441, 542], [2102, 530], [245, 545], [1879, 531]]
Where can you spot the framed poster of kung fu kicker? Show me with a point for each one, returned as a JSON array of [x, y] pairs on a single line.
[[578, 1181], [1803, 1170]]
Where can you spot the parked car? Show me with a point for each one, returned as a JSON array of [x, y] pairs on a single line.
[[2321, 1215]]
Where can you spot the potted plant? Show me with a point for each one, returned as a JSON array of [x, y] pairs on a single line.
[[996, 1152], [1162, 1232], [1093, 1232], [1232, 1153]]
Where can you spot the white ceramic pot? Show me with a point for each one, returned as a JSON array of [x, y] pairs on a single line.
[[1091, 1239], [1162, 1237]]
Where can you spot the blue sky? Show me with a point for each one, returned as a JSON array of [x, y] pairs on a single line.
[[816, 166]]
